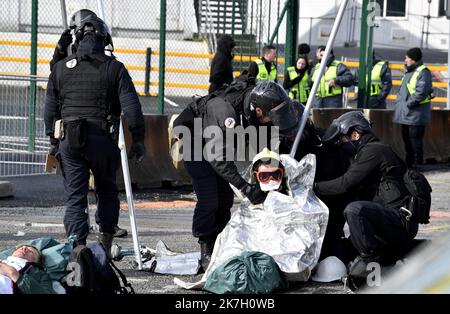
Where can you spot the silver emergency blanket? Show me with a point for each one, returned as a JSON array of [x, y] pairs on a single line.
[[290, 228], [166, 261]]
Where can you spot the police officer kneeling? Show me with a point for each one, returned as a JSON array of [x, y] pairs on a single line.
[[375, 176], [88, 90]]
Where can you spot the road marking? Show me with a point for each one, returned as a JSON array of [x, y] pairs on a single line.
[[439, 214], [162, 204], [155, 205], [38, 224]]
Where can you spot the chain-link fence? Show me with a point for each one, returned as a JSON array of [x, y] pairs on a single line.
[[18, 129], [135, 26]]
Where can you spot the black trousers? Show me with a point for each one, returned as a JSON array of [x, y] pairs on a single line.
[[214, 200], [102, 156], [413, 139], [375, 103], [375, 229], [334, 242]]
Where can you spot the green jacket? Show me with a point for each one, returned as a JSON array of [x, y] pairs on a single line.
[[33, 280]]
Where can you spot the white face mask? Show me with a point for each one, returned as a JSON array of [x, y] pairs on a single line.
[[270, 186]]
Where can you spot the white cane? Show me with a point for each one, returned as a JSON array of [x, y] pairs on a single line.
[[126, 171], [129, 192], [321, 69]]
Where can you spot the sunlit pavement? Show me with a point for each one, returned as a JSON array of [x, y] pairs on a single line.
[[36, 210]]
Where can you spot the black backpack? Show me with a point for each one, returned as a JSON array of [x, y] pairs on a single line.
[[92, 272], [420, 201], [237, 90], [233, 94]]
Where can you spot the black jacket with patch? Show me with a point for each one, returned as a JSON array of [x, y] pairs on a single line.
[[375, 174]]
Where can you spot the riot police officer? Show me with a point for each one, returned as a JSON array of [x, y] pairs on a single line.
[[377, 220], [87, 92], [211, 176], [62, 51]]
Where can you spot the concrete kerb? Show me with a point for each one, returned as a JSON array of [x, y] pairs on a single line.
[[6, 189]]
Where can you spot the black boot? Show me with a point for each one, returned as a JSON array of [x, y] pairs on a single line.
[[106, 239], [358, 271], [206, 250], [119, 232]]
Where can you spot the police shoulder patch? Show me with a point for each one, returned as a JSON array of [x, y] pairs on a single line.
[[71, 63], [229, 122]]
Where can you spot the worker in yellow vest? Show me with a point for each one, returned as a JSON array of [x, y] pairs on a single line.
[[265, 68], [412, 108], [296, 80], [380, 83], [336, 76]]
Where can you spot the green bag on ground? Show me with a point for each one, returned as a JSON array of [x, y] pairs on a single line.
[[248, 273], [56, 255]]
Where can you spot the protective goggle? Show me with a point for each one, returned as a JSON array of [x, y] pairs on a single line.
[[266, 176]]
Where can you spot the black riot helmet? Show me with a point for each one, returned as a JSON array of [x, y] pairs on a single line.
[[80, 16], [287, 115], [347, 123], [267, 95], [86, 21]]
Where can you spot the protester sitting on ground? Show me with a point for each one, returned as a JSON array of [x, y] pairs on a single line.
[[269, 172], [23, 273]]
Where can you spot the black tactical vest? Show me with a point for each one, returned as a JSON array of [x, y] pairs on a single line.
[[83, 86]]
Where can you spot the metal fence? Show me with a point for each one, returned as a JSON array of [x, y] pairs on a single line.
[[192, 30], [23, 145], [135, 26]]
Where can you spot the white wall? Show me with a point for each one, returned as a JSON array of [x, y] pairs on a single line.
[[398, 32]]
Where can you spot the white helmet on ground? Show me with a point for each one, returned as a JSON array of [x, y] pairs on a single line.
[[329, 269]]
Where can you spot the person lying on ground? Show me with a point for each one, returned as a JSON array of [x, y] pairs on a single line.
[[23, 273]]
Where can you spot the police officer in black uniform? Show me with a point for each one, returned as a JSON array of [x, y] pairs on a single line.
[[62, 51], [88, 90], [211, 176], [377, 220]]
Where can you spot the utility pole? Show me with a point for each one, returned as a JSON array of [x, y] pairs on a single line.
[[362, 56], [371, 23], [291, 32], [447, 13], [162, 56], [33, 72]]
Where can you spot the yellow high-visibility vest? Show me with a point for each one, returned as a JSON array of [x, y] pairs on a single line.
[[299, 91], [330, 74], [411, 85], [375, 79], [263, 75]]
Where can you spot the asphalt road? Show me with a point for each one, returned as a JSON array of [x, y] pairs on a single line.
[[37, 210]]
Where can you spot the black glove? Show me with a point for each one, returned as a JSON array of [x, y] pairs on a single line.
[[54, 143], [64, 41], [137, 150], [254, 193]]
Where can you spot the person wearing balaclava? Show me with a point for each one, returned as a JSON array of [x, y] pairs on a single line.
[[88, 91], [66, 47], [222, 64], [412, 108]]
